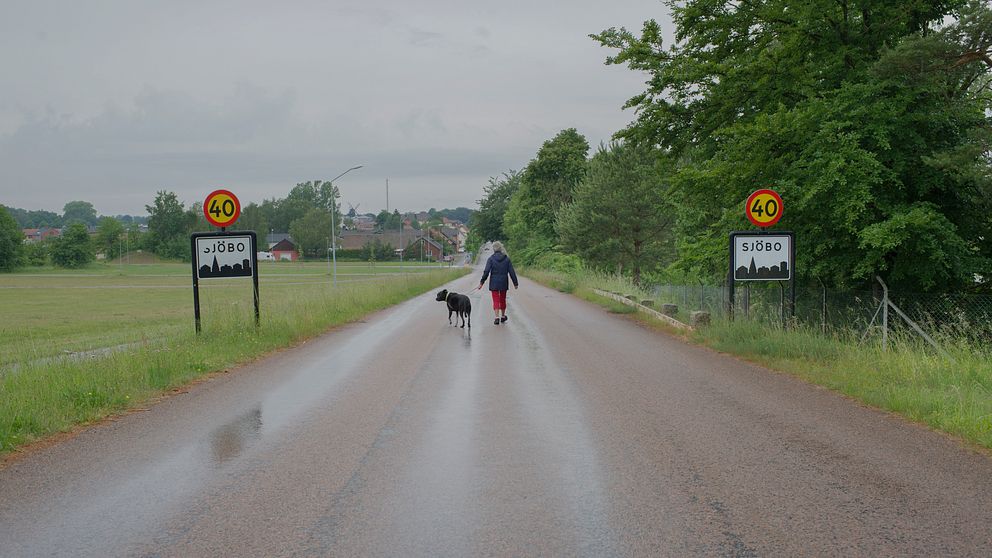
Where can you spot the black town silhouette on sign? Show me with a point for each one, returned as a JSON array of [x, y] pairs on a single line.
[[780, 271], [242, 269]]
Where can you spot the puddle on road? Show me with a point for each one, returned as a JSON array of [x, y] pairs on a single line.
[[230, 440]]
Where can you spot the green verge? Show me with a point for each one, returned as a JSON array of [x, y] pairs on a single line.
[[953, 394], [41, 397]]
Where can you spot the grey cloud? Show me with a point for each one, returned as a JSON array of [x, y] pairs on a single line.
[[421, 37], [113, 100]]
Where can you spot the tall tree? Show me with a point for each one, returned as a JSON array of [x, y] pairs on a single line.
[[79, 212], [487, 222], [870, 118], [108, 236], [389, 221], [73, 249], [621, 216], [547, 184], [168, 224], [11, 241], [253, 218], [312, 233]]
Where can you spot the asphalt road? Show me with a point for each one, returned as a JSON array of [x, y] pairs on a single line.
[[566, 432]]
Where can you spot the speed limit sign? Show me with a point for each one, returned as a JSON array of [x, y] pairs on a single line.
[[221, 208], [763, 208]]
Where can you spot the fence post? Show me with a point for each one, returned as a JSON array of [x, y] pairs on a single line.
[[723, 298], [823, 307], [885, 315], [781, 297], [747, 301], [702, 299]]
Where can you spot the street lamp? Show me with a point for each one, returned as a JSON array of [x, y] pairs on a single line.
[[334, 249]]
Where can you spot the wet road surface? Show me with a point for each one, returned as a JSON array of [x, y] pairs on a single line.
[[567, 432]]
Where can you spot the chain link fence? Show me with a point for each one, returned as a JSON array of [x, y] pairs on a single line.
[[948, 315]]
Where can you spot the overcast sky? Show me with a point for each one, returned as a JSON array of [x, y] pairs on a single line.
[[110, 101]]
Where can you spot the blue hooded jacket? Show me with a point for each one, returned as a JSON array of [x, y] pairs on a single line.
[[499, 266]]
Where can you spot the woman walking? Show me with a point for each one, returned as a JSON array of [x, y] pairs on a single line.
[[499, 270]]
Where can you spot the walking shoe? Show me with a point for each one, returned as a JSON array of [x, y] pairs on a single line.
[[496, 321], [503, 319]]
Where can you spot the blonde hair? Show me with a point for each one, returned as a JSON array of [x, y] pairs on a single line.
[[497, 246]]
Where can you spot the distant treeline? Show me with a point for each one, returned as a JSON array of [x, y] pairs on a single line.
[[81, 211]]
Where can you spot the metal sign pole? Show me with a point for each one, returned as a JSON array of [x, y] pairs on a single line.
[[254, 273], [792, 246], [730, 282], [196, 284]]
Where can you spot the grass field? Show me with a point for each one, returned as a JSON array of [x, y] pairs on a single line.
[[51, 312], [950, 392], [135, 328]]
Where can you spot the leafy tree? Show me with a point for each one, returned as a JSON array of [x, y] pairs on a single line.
[[547, 184], [312, 233], [35, 219], [621, 216], [389, 221], [168, 225], [197, 221], [253, 218], [319, 194], [11, 241], [487, 222], [73, 249], [376, 250], [36, 253], [79, 211], [869, 118], [108, 235], [461, 214]]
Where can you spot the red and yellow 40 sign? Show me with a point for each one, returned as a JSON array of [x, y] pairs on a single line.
[[221, 208], [763, 208]]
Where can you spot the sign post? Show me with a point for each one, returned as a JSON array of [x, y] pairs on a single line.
[[223, 255], [762, 255]]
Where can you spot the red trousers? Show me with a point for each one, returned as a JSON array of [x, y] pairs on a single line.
[[499, 300]]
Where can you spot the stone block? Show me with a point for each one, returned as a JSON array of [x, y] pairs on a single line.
[[669, 309], [699, 318]]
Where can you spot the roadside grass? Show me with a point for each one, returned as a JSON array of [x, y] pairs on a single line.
[[40, 397], [953, 394]]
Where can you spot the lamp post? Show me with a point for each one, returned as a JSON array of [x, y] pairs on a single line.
[[334, 248]]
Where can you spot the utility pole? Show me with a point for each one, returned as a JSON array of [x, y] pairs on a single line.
[[334, 247], [387, 196]]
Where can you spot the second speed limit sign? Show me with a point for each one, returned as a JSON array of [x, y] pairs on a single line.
[[763, 208], [221, 208]]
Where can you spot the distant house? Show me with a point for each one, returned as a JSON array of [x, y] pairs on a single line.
[[431, 249], [37, 235], [284, 250], [272, 239], [452, 237], [355, 240]]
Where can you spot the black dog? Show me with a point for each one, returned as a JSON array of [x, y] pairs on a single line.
[[457, 303]]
